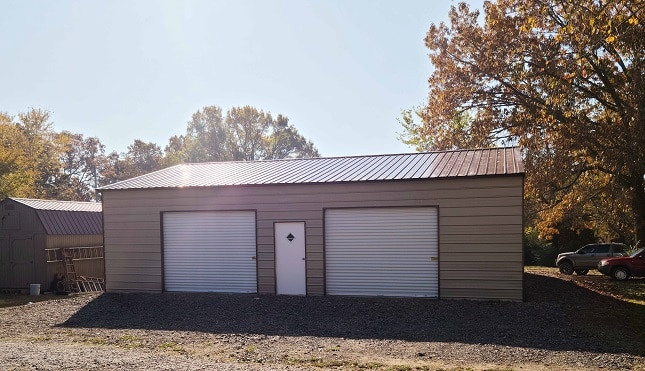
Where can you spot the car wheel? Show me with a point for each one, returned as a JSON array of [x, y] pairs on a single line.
[[566, 268], [582, 272], [620, 273]]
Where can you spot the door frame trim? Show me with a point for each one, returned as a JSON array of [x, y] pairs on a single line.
[[275, 259]]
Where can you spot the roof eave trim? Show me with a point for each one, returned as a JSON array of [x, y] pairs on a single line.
[[522, 174]]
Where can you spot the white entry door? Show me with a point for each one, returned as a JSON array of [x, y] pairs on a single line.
[[290, 258]]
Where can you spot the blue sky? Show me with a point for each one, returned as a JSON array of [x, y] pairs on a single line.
[[125, 70]]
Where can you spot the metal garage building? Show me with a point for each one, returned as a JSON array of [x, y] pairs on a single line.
[[31, 233], [437, 224]]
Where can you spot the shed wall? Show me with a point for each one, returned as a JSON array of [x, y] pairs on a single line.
[[21, 246], [86, 240], [84, 267], [480, 228]]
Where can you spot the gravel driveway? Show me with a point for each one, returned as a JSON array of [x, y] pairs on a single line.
[[216, 331]]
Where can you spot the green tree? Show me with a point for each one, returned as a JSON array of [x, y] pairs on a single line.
[[143, 157], [205, 136], [40, 151], [140, 158], [285, 141], [245, 133], [564, 79], [456, 133], [15, 177], [81, 161]]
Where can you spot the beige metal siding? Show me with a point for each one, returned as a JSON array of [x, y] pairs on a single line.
[[479, 218]]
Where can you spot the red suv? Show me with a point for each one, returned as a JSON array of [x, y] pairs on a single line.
[[621, 268]]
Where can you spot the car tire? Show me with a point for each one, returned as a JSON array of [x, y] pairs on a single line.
[[620, 273], [566, 268], [582, 272]]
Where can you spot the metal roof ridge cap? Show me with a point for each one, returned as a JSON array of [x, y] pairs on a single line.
[[336, 157]]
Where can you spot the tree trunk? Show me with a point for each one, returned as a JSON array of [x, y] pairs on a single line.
[[638, 206]]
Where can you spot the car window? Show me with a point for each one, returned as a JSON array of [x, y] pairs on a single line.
[[602, 249], [619, 249], [588, 249]]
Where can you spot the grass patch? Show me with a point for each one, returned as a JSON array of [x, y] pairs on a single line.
[[95, 340], [326, 363], [38, 339], [630, 291], [172, 347], [319, 362], [251, 348], [370, 365], [130, 342], [335, 348]]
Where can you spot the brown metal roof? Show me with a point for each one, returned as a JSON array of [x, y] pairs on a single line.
[[67, 217], [71, 222], [428, 165]]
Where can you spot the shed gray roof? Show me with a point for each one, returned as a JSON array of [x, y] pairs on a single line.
[[67, 217], [38, 204], [428, 165]]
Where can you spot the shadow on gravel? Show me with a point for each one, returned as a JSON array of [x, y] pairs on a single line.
[[557, 315]]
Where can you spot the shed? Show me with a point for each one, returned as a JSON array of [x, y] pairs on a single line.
[[31, 232], [437, 224]]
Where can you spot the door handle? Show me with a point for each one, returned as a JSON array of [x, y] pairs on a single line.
[[253, 257]]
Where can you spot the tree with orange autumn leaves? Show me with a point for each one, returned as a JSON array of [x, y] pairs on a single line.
[[563, 79]]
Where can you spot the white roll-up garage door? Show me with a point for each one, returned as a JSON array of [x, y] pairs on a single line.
[[209, 251], [382, 251]]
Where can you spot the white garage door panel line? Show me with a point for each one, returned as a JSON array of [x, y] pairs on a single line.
[[210, 251], [386, 251]]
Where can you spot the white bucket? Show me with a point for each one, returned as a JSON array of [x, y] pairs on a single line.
[[34, 289]]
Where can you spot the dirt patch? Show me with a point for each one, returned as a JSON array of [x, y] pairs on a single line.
[[12, 300], [551, 330]]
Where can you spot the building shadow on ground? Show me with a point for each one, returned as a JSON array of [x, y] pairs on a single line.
[[557, 315]]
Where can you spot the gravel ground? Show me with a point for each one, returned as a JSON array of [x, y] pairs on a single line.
[[215, 331]]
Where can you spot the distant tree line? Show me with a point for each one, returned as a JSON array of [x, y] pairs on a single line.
[[38, 162]]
